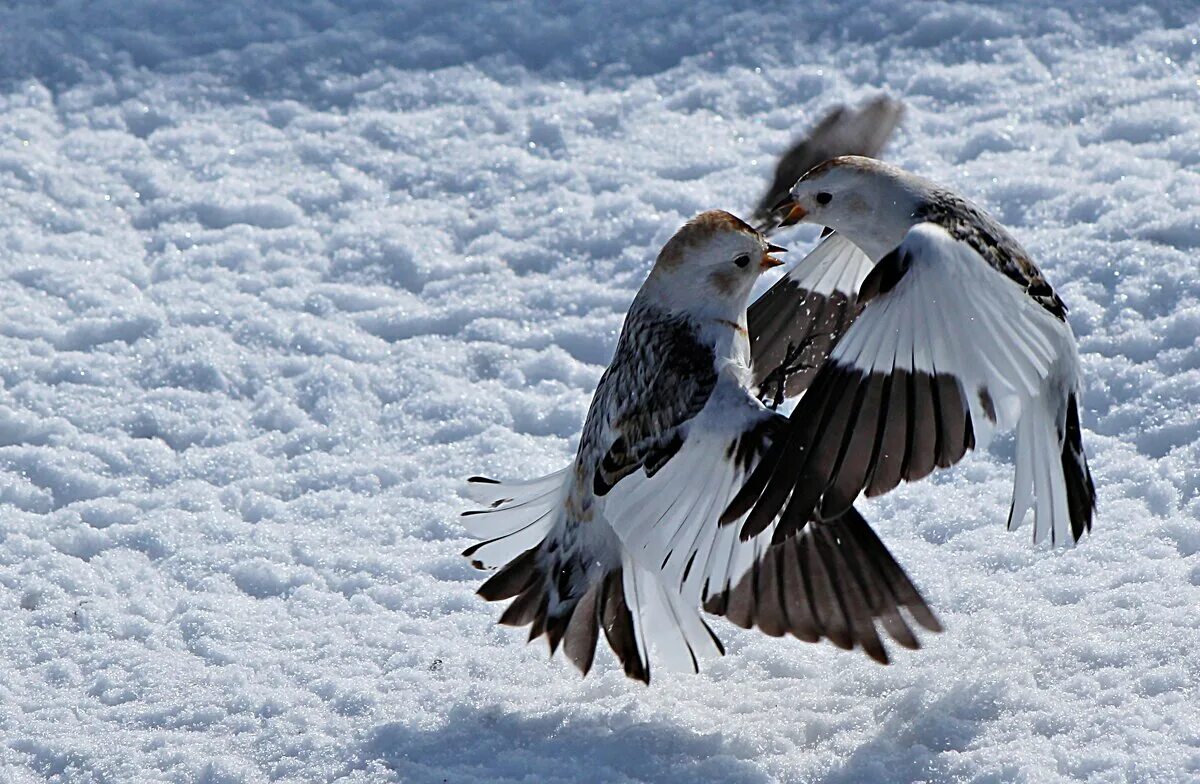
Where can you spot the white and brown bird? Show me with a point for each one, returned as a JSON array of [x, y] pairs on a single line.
[[626, 539], [956, 334]]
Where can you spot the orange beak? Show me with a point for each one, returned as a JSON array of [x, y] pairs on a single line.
[[795, 214], [769, 261]]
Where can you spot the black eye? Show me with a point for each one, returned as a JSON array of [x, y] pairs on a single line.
[[742, 260], [824, 197]]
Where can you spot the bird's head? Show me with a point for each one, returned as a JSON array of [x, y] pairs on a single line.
[[711, 264], [867, 201]]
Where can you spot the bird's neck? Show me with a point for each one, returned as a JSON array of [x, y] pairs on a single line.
[[729, 339], [892, 209], [720, 322], [877, 240], [696, 301]]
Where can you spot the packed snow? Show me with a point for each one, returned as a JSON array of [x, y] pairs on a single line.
[[276, 276]]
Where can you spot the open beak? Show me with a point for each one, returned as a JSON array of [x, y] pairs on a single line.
[[791, 212], [770, 261]]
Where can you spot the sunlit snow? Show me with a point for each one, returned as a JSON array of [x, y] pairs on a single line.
[[276, 275]]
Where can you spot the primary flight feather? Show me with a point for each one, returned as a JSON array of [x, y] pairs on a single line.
[[959, 335]]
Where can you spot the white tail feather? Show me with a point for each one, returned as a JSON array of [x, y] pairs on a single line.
[[1039, 482], [522, 514], [673, 630]]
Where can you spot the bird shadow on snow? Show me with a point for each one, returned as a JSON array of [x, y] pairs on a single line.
[[492, 745], [920, 739]]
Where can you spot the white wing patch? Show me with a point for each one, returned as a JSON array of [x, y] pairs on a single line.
[[668, 522], [517, 517], [836, 264], [952, 313], [946, 350]]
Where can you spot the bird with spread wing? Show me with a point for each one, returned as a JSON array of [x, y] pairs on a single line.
[[958, 335], [688, 490], [625, 541]]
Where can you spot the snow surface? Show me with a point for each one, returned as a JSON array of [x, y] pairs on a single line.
[[277, 275]]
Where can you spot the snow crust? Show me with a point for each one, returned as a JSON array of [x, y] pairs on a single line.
[[275, 276]]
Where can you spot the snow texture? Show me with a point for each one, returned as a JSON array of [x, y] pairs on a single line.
[[276, 275]]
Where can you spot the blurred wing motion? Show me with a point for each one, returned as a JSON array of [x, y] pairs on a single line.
[[844, 131], [795, 324], [946, 350]]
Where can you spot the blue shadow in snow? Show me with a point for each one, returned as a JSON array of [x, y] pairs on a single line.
[[492, 746]]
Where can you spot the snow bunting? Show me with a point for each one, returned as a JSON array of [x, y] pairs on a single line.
[[959, 335], [626, 539]]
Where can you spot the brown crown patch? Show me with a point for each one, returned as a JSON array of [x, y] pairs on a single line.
[[858, 162], [698, 230]]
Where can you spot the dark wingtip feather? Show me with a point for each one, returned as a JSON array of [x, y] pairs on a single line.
[[1081, 491], [483, 480], [575, 625], [832, 581], [556, 628], [579, 643], [619, 629], [926, 617], [524, 608], [538, 627]]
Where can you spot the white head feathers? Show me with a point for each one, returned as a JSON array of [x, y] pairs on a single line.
[[709, 266], [869, 202]]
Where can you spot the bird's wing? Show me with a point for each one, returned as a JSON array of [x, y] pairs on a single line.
[[668, 519], [795, 324], [832, 581], [946, 350], [844, 131]]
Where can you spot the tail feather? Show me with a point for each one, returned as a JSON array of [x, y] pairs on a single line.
[[1052, 475], [833, 580], [568, 588], [491, 492]]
